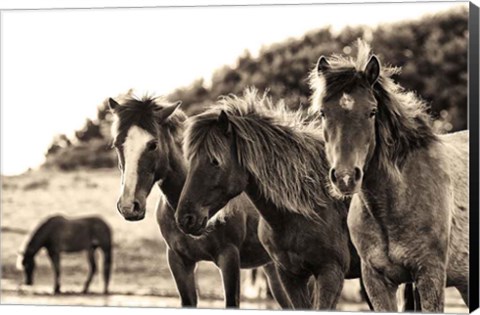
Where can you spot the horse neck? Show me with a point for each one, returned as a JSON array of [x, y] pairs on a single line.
[[37, 241], [378, 189], [271, 213], [173, 183]]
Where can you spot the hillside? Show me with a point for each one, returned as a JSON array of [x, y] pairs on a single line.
[[432, 53]]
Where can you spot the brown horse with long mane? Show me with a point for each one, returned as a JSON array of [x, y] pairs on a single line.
[[409, 214], [58, 234]]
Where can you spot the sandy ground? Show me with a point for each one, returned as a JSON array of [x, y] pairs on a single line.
[[140, 273]]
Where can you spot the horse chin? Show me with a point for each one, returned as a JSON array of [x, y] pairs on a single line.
[[198, 230], [344, 193], [197, 233], [136, 217]]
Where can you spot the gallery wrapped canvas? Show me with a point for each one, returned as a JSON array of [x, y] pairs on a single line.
[[271, 157]]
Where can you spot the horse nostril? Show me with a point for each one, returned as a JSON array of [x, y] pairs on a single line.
[[188, 220], [204, 221], [333, 176], [136, 206], [358, 174]]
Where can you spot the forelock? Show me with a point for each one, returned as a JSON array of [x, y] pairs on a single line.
[[140, 112], [204, 137]]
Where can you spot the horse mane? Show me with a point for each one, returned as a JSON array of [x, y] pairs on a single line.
[[283, 150], [141, 112], [402, 123]]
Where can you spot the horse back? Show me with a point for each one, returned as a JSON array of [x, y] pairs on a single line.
[[72, 235]]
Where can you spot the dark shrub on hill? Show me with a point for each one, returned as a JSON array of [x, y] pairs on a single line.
[[432, 52]]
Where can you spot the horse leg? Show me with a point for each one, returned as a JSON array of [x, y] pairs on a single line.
[[329, 284], [276, 286], [296, 288], [430, 282], [92, 270], [107, 265], [55, 258], [408, 298], [363, 293], [184, 275], [416, 296], [382, 295], [229, 263]]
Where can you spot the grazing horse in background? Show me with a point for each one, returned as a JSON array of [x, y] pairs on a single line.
[[147, 136], [409, 214], [58, 234], [250, 145]]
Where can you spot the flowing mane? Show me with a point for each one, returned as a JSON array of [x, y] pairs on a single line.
[[141, 112], [283, 150], [402, 122]]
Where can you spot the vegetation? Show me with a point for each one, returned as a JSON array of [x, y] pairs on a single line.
[[432, 53]]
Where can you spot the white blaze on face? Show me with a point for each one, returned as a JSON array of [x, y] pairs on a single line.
[[133, 147], [347, 101], [345, 179]]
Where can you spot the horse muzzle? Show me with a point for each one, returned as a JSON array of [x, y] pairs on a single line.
[[131, 211], [191, 224], [346, 183]]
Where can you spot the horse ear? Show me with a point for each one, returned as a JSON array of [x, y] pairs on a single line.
[[322, 65], [112, 104], [166, 112], [372, 70], [224, 122]]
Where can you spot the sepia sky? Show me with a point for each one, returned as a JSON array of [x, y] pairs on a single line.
[[58, 65]]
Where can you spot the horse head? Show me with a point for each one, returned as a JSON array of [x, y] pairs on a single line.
[[142, 139], [214, 176]]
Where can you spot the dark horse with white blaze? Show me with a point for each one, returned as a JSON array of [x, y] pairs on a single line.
[[409, 214], [247, 144], [147, 136], [58, 234]]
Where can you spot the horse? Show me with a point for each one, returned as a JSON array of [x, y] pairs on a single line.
[[147, 135], [249, 145], [58, 234], [409, 213]]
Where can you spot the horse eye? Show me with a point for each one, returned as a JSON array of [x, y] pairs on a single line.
[[152, 146], [322, 114], [373, 112], [214, 162]]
